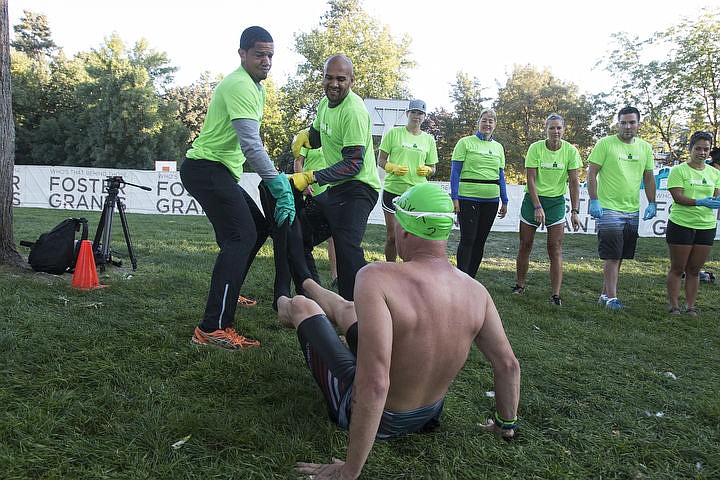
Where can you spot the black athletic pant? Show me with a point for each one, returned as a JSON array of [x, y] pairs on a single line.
[[346, 209], [240, 231], [476, 220]]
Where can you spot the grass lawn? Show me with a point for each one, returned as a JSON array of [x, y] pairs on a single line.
[[100, 384]]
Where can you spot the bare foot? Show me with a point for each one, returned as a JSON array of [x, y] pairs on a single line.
[[284, 311]]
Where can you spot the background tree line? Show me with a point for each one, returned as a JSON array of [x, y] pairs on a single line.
[[116, 105]]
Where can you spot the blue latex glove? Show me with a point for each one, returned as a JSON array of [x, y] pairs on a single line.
[[709, 202], [596, 211], [285, 203], [650, 211]]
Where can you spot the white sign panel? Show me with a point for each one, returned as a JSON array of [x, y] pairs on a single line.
[[80, 188]]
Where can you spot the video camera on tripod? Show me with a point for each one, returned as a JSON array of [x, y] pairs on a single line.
[[101, 242]]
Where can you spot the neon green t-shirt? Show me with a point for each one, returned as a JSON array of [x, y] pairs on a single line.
[[623, 165], [404, 148], [552, 167], [482, 160], [695, 184], [236, 96], [314, 160], [347, 125]]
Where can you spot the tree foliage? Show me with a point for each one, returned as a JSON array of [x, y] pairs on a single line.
[[678, 93], [33, 36], [696, 67], [104, 108], [449, 127], [191, 103], [381, 62]]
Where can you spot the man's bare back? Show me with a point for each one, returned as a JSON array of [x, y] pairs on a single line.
[[436, 311]]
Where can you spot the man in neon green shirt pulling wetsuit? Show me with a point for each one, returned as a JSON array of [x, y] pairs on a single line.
[[230, 135]]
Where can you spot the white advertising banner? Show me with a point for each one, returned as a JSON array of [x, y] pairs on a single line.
[[81, 188]]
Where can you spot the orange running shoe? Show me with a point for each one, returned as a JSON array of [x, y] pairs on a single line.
[[227, 338], [246, 302]]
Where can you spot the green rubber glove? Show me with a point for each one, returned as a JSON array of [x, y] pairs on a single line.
[[285, 203]]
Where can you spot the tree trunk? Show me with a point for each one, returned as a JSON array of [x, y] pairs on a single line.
[[8, 252]]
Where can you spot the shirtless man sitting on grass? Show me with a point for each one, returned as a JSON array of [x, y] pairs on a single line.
[[409, 330]]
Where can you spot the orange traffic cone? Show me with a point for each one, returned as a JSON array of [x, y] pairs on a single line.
[[85, 276]]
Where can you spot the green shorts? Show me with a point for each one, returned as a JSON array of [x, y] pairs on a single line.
[[554, 210]]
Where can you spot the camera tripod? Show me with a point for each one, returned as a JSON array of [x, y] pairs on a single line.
[[101, 242]]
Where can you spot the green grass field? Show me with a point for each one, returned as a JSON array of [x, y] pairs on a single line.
[[100, 384]]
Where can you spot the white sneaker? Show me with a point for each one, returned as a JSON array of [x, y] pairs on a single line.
[[603, 299]]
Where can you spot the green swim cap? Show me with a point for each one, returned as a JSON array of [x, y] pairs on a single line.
[[426, 211]]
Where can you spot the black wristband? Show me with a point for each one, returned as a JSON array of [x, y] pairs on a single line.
[[575, 210]]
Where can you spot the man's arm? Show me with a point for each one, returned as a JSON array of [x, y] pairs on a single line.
[[493, 343], [372, 376], [382, 158], [349, 166], [592, 180], [298, 164], [248, 133], [649, 181]]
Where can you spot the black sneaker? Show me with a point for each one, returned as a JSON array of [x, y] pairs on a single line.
[[517, 289], [556, 300]]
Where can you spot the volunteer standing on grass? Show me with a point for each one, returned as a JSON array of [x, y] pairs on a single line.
[[477, 186], [550, 165], [692, 223], [408, 156], [421, 312], [618, 165], [229, 137]]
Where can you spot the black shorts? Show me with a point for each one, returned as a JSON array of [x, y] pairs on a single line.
[[387, 201], [617, 234], [678, 235]]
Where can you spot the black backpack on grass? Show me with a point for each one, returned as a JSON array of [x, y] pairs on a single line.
[[56, 251]]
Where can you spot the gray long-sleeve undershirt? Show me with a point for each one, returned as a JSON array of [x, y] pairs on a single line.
[[248, 133]]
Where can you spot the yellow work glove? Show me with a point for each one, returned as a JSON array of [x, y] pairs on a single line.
[[397, 170], [423, 170], [302, 180], [302, 139]]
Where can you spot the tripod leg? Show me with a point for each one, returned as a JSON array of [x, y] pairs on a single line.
[[128, 242], [101, 242]]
